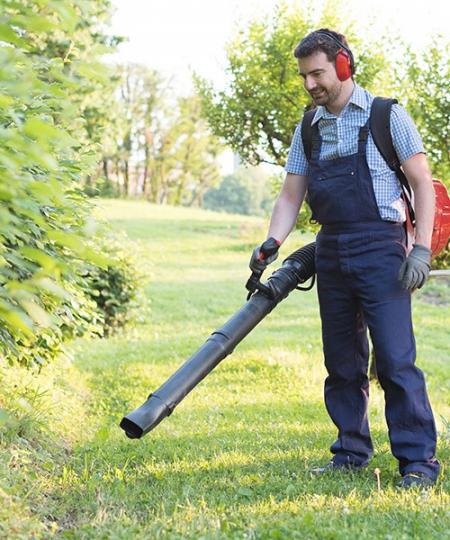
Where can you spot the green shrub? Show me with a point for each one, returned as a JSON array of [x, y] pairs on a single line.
[[114, 289], [75, 316], [49, 70], [96, 301]]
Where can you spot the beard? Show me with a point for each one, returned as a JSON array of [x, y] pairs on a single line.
[[325, 96]]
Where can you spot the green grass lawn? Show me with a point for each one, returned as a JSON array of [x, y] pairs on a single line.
[[233, 460]]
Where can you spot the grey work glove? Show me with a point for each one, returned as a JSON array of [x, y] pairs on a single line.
[[264, 254], [415, 268]]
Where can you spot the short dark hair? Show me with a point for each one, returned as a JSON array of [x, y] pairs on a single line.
[[318, 41]]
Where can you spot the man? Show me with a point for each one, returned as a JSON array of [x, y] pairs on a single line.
[[364, 277]]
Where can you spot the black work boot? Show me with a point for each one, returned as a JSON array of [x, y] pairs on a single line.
[[332, 467], [418, 480]]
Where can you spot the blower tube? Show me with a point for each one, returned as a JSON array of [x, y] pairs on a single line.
[[296, 269]]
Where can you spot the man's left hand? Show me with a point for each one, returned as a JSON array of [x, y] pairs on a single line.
[[416, 267]]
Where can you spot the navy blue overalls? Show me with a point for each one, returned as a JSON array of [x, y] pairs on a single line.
[[358, 256]]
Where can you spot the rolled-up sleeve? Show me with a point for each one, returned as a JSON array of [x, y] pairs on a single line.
[[296, 161], [405, 137]]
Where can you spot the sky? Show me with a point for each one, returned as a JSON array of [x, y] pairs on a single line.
[[177, 36]]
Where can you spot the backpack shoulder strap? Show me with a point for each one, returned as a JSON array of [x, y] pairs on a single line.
[[380, 128], [307, 132]]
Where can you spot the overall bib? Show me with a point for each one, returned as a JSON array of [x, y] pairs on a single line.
[[358, 257]]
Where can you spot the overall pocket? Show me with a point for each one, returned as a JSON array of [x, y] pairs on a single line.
[[333, 196]]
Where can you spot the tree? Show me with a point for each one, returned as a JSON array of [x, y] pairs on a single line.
[[421, 84], [142, 110], [263, 102], [247, 191], [196, 153], [159, 146]]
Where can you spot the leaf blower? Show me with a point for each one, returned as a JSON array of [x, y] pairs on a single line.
[[296, 269]]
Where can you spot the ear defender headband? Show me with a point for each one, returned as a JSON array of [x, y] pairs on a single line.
[[344, 57]]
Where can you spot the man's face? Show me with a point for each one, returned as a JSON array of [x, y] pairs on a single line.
[[320, 79]]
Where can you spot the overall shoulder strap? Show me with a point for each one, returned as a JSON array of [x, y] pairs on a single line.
[[307, 134], [380, 128]]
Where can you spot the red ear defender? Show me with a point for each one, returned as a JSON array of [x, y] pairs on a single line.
[[343, 65], [343, 58]]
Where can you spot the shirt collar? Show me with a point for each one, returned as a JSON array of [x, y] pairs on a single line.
[[357, 99]]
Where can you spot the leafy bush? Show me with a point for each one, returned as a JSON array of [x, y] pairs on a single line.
[[96, 300], [49, 70], [73, 316], [114, 289]]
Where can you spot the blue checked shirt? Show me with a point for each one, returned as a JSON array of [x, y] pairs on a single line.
[[340, 138]]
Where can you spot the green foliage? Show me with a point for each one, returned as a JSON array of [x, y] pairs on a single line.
[[442, 261], [247, 191], [56, 322], [49, 68], [263, 101], [114, 289], [102, 187], [157, 146], [421, 84], [195, 153]]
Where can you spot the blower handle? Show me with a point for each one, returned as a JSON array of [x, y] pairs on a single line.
[[267, 249]]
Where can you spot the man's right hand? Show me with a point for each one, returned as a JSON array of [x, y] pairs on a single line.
[[264, 254]]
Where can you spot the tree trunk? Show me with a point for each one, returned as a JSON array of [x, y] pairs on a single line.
[[105, 169], [146, 169], [126, 177], [117, 174]]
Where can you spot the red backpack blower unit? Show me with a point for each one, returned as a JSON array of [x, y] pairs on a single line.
[[441, 228]]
